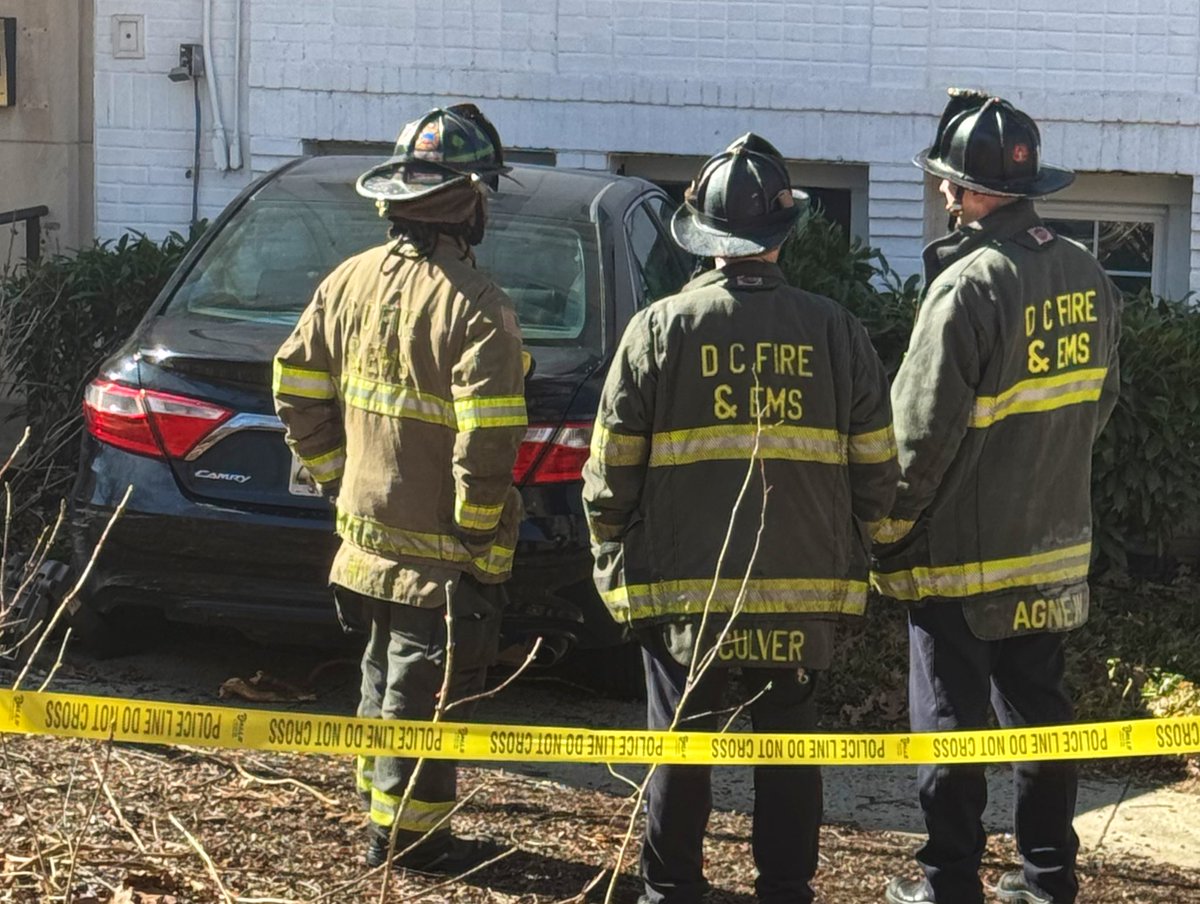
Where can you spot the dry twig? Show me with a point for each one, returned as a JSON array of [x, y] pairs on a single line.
[[203, 855], [84, 575], [425, 893], [699, 665], [87, 821], [529, 660], [116, 807]]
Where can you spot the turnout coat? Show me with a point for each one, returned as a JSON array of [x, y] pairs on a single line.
[[740, 385]]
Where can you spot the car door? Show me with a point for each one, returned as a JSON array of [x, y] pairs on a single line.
[[658, 266]]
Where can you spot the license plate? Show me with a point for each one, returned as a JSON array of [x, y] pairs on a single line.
[[300, 482]]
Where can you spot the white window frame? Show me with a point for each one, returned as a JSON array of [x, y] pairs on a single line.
[[1156, 214]]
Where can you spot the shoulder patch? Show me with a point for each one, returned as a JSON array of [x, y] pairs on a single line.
[[1035, 237], [1041, 234]]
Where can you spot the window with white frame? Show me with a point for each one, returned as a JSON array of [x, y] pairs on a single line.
[[1139, 225], [1126, 239]]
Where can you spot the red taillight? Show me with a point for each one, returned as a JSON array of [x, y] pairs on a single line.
[[121, 416], [552, 454]]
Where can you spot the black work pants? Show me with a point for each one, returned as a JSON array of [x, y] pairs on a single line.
[[787, 799], [403, 668], [952, 674]]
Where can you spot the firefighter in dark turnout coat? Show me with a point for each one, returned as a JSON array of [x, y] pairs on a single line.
[[738, 372], [1010, 375]]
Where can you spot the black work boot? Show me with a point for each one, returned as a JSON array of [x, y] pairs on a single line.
[[450, 856], [909, 891], [1013, 889]]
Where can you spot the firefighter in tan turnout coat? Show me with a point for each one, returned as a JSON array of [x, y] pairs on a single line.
[[402, 392], [1010, 375], [694, 377]]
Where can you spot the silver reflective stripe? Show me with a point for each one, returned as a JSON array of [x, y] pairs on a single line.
[[872, 448], [738, 442], [1040, 394], [1057, 566], [619, 449], [303, 382], [397, 401], [762, 596]]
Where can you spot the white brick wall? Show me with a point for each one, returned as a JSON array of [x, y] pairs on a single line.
[[1113, 82], [145, 122]]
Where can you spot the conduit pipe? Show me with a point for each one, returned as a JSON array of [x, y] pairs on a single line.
[[235, 145], [220, 145]]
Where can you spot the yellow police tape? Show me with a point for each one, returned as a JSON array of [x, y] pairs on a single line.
[[156, 722]]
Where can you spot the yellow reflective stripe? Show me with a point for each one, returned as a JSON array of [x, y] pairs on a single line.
[[303, 382], [890, 530], [364, 772], [327, 467], [1039, 394], [394, 400], [737, 441], [477, 517], [618, 450], [490, 411], [370, 535], [764, 596], [1058, 566], [416, 815], [873, 448]]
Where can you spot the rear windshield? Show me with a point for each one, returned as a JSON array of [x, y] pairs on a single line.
[[270, 256]]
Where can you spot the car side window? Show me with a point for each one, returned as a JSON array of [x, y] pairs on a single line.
[[659, 268]]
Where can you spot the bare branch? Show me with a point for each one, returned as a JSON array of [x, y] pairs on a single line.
[[57, 662], [7, 526], [738, 711], [15, 452], [699, 665], [583, 893], [203, 854], [69, 893], [295, 783], [534, 650], [116, 808], [619, 777], [69, 598], [508, 852], [35, 832]]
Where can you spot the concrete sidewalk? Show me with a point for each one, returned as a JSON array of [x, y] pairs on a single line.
[[1113, 816], [1117, 815]]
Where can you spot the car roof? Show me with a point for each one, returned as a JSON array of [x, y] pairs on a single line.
[[534, 191]]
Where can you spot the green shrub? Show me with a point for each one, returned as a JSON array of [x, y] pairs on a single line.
[[60, 317], [819, 258], [1146, 468]]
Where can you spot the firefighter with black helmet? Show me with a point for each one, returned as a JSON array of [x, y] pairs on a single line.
[[740, 385], [1011, 374], [402, 392]]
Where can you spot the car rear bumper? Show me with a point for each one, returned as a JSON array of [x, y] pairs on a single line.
[[268, 573]]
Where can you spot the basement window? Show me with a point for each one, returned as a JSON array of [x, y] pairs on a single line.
[[1125, 248]]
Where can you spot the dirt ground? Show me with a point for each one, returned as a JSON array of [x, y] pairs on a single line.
[[277, 828]]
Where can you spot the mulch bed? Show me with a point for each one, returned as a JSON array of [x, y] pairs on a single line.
[[271, 840]]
